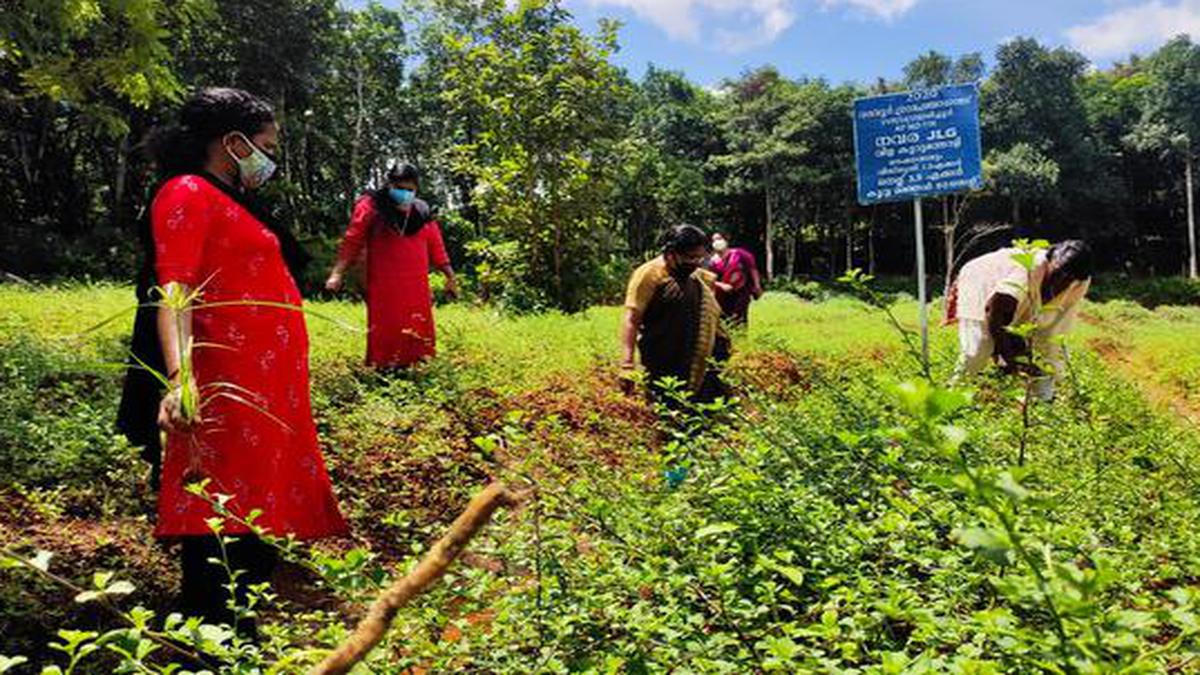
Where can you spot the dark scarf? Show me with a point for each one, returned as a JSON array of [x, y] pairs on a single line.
[[137, 417], [407, 222], [670, 328]]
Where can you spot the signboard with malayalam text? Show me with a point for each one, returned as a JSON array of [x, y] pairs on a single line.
[[917, 144]]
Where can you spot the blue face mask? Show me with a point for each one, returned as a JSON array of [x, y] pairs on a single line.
[[401, 196]]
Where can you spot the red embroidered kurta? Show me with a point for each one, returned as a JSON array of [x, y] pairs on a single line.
[[264, 454], [399, 302]]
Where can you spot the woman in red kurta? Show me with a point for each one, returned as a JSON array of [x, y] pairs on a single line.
[[254, 439], [402, 241], [262, 449]]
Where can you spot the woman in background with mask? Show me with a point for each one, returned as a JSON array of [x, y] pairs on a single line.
[[402, 241], [253, 436], [737, 282]]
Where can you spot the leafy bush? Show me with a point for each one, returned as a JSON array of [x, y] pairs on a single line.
[[58, 414], [1150, 292], [833, 519]]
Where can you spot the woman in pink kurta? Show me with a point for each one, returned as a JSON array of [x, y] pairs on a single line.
[[402, 241], [738, 282]]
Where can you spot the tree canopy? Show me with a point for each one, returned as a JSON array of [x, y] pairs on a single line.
[[551, 168]]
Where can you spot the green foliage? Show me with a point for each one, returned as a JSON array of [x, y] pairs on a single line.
[[834, 519], [83, 52], [543, 99], [1173, 92], [1147, 292], [58, 413], [1021, 172], [529, 137], [933, 69]]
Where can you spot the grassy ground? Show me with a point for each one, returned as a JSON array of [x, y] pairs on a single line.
[[518, 351], [610, 572]]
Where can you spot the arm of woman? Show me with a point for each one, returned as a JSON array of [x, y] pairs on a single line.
[[629, 331], [353, 242], [175, 338], [1000, 311], [180, 222], [439, 257]]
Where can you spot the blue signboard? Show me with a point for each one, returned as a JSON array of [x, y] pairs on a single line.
[[917, 144]]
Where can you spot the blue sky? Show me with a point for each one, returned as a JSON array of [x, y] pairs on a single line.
[[860, 40]]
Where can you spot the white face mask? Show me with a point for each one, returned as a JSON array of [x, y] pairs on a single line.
[[253, 169], [720, 245]]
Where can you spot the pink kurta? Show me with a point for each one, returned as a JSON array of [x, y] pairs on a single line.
[[399, 301]]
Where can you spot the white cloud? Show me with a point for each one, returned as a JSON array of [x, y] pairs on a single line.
[[883, 9], [738, 25], [1128, 29]]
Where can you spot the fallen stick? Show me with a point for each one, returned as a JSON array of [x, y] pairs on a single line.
[[374, 625]]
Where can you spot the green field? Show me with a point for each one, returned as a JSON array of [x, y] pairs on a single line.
[[827, 522]]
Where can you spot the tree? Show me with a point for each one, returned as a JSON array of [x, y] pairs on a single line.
[[1034, 97], [546, 101], [1021, 173], [934, 69], [284, 51], [760, 123], [84, 54], [661, 180], [358, 115], [1171, 120], [78, 82]]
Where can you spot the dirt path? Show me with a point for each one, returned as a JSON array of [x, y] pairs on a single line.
[[1119, 353]]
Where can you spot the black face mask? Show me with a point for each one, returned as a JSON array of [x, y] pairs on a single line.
[[684, 270]]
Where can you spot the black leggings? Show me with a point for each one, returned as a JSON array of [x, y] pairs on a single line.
[[203, 591]]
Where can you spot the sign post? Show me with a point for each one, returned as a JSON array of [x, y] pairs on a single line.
[[917, 144], [919, 226]]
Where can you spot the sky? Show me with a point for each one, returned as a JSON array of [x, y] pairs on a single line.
[[861, 40]]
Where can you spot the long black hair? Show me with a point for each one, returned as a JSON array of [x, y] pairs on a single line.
[[684, 237], [182, 148], [1074, 258], [209, 114]]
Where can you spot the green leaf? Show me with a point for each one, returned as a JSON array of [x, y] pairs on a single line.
[[100, 580], [120, 588], [9, 662], [716, 529], [88, 596], [991, 544], [793, 574], [1009, 486]]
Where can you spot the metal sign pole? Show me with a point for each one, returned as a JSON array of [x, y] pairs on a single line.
[[919, 223]]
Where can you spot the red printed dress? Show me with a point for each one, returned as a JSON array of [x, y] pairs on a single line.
[[257, 441], [399, 302]]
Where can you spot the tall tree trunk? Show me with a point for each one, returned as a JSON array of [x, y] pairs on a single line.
[[948, 234], [120, 182], [791, 252], [849, 246], [768, 232], [359, 121], [831, 250], [1191, 213], [871, 242]]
